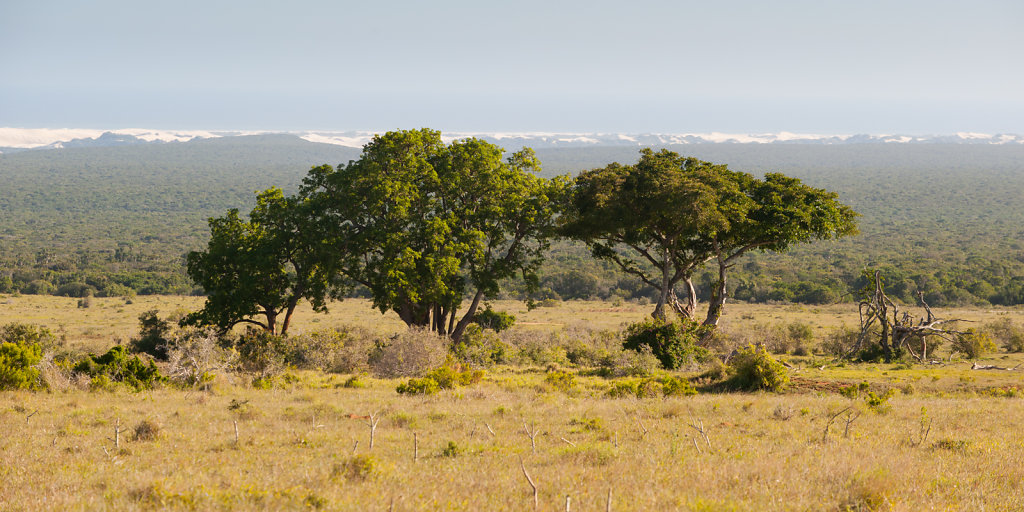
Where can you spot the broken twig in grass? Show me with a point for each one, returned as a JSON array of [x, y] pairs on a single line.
[[489, 429], [372, 422], [529, 479], [33, 413], [415, 446], [642, 428], [236, 431], [568, 442], [532, 433], [832, 419], [698, 425], [608, 501]]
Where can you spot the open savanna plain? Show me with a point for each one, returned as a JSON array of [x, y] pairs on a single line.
[[946, 437]]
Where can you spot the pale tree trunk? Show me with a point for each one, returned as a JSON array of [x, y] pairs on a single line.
[[666, 288], [686, 309]]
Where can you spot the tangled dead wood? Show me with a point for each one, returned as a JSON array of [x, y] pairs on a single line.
[[895, 329]]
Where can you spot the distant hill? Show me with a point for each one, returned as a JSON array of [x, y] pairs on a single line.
[[946, 218]]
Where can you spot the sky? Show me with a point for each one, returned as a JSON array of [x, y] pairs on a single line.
[[821, 66]]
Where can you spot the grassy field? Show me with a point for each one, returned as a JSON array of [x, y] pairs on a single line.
[[947, 439]]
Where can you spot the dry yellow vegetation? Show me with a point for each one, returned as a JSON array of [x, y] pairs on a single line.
[[947, 439]]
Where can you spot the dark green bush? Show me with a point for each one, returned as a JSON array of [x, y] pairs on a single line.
[[753, 368], [262, 353], [673, 343], [154, 335], [496, 321], [117, 366]]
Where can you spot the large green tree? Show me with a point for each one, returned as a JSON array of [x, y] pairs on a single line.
[[423, 224], [256, 271], [666, 216]]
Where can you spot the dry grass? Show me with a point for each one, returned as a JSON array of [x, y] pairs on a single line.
[[297, 452], [305, 444]]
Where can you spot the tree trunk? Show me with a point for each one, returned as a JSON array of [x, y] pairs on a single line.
[[460, 328], [717, 302], [666, 287], [686, 309]]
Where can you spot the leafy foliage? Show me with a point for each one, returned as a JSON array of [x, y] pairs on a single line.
[[154, 335], [753, 369], [673, 343], [422, 224], [117, 366]]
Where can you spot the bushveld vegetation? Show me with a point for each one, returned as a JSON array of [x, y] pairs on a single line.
[[269, 394], [938, 218]]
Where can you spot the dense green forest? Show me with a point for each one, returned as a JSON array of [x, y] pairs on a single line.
[[945, 219]]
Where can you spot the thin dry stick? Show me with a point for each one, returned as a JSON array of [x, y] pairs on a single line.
[[616, 439], [314, 424], [831, 420], [850, 416], [532, 434], [608, 502], [117, 433], [698, 425], [355, 445], [643, 428], [489, 429], [570, 443], [236, 431], [415, 446], [391, 508], [529, 479], [33, 413], [372, 422], [567, 501], [695, 445]]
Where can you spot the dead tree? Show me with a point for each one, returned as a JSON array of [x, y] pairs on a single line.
[[895, 329]]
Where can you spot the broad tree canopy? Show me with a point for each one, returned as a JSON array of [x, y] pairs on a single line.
[[666, 216], [423, 224], [261, 267]]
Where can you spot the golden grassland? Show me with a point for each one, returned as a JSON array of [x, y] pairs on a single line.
[[949, 439], [308, 447], [109, 319]]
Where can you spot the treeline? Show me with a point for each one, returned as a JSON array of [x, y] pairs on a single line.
[[944, 219]]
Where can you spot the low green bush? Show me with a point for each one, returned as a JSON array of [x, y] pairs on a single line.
[[117, 366], [673, 343], [973, 343], [753, 369], [496, 321], [424, 386], [17, 366]]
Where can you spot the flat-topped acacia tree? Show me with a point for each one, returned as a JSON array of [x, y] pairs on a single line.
[[666, 216], [423, 224]]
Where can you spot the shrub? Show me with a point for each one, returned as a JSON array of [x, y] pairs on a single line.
[[146, 430], [677, 386], [424, 386], [196, 356], [340, 350], [408, 354], [359, 467], [560, 380], [448, 377], [482, 347], [17, 366], [28, 334], [117, 366], [451, 450], [753, 368], [1008, 334], [262, 353], [154, 335], [496, 321], [840, 342], [673, 343], [973, 343]]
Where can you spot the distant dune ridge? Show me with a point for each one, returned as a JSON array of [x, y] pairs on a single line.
[[14, 139]]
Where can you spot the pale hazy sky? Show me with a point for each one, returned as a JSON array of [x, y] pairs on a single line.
[[821, 66]]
